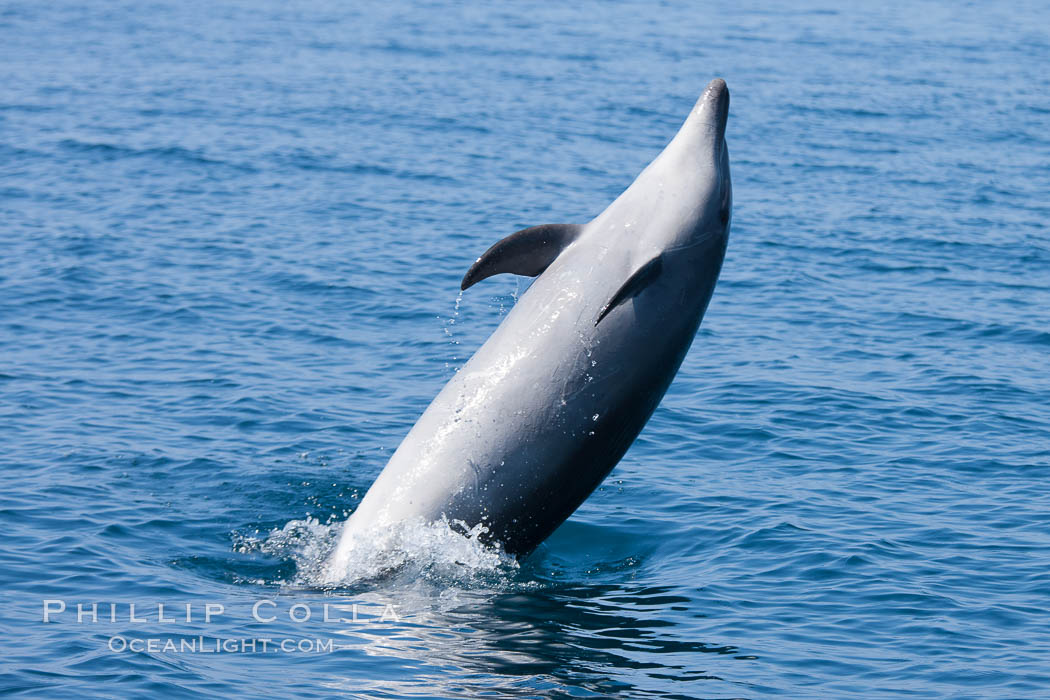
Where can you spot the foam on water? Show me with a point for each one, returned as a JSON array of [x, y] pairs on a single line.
[[410, 550]]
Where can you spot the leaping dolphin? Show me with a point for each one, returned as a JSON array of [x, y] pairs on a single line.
[[544, 410]]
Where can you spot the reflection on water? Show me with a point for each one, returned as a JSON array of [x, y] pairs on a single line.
[[469, 620], [600, 639]]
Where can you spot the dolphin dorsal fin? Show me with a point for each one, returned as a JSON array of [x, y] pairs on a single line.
[[642, 278], [527, 252]]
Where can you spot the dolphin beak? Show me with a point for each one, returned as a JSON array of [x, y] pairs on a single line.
[[707, 121], [715, 102]]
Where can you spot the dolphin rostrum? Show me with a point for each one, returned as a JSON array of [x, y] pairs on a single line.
[[544, 410]]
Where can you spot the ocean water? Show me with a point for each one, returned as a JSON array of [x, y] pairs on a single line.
[[231, 236]]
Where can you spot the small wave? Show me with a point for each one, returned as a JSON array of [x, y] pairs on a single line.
[[407, 551], [109, 151]]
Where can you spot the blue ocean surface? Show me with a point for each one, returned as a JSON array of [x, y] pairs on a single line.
[[231, 239]]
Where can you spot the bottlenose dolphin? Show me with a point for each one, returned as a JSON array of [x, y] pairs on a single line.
[[544, 410]]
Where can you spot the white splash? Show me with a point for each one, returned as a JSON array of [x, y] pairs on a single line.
[[406, 550]]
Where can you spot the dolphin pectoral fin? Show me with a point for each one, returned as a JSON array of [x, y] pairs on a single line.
[[527, 252], [642, 278]]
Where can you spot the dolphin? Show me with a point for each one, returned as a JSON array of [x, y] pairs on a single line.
[[548, 405]]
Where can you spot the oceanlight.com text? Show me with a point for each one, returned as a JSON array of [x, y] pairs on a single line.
[[215, 645]]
